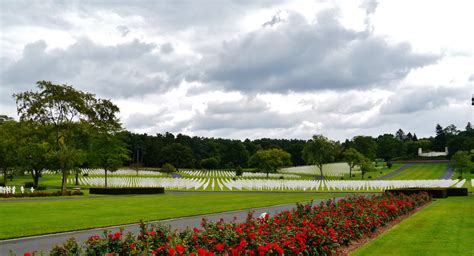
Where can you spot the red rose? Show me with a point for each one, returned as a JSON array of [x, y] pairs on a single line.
[[219, 246], [171, 251], [27, 254], [180, 248]]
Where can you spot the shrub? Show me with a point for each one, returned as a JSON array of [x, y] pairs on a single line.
[[28, 184], [123, 191]]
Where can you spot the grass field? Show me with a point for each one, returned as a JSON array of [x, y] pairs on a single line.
[[374, 174], [445, 227], [421, 172], [23, 218]]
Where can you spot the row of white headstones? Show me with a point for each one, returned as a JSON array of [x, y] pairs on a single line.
[[265, 184], [12, 190]]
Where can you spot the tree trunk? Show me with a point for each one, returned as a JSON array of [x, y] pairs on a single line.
[[63, 182], [35, 176], [105, 177], [350, 171], [4, 176], [77, 178], [321, 170]]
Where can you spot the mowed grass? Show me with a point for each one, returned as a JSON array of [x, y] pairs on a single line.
[[374, 174], [25, 218], [421, 172], [445, 227]]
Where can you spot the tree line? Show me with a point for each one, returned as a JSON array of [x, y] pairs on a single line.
[[64, 129]]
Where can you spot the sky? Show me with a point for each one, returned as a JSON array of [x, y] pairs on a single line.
[[250, 69]]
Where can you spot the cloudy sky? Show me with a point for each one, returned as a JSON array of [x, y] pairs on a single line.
[[251, 69]]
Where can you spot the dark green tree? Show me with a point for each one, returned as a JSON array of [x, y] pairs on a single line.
[[269, 160], [178, 155], [366, 145], [9, 137], [318, 151]]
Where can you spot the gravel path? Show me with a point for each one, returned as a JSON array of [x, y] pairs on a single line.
[[46, 242], [399, 170], [448, 173]]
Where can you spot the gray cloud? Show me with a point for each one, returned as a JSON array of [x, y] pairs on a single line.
[[124, 30], [244, 114], [406, 101], [122, 70], [301, 56]]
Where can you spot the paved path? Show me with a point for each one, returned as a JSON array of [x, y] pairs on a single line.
[[448, 173], [46, 242], [399, 170]]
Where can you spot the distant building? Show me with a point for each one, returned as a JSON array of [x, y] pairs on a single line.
[[433, 153]]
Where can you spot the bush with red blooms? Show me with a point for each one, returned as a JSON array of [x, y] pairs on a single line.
[[305, 230]]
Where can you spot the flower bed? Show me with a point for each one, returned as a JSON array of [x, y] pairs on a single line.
[[306, 230]]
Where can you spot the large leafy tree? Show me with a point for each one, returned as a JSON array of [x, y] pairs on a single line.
[[319, 151], [107, 152], [270, 160], [61, 109], [33, 150], [353, 158], [365, 145], [8, 146]]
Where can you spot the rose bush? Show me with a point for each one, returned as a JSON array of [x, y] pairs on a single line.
[[306, 230]]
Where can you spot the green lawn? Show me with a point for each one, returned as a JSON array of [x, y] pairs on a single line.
[[380, 171], [421, 172], [445, 227], [24, 218]]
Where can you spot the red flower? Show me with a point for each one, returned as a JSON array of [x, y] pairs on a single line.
[[252, 235], [27, 254], [117, 235], [132, 246], [180, 248], [171, 251], [196, 230], [202, 252], [219, 246]]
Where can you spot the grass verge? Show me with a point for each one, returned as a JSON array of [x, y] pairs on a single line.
[[26, 218], [443, 228]]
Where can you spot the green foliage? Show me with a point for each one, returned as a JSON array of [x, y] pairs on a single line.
[[461, 162], [63, 110], [366, 165], [178, 155], [366, 145], [353, 158], [8, 144], [168, 168], [319, 151], [270, 160], [210, 163]]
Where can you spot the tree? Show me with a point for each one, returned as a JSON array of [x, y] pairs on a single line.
[[168, 168], [61, 109], [439, 142], [353, 158], [178, 155], [33, 150], [400, 135], [469, 127], [210, 163], [390, 147], [366, 146], [270, 160], [8, 147], [366, 166], [461, 162], [107, 152], [318, 151]]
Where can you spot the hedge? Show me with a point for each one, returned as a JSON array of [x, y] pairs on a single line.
[[433, 192], [124, 191]]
